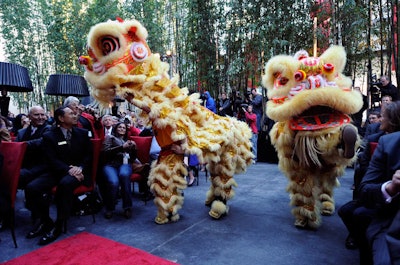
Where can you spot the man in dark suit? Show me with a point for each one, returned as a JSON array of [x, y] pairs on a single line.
[[34, 163], [68, 151], [381, 184]]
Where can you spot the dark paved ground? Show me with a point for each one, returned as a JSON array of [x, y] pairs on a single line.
[[258, 230]]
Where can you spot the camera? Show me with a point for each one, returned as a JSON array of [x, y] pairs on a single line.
[[379, 84]]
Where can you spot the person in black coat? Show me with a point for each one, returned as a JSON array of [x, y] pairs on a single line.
[[354, 215], [68, 150], [381, 184], [34, 163], [387, 88]]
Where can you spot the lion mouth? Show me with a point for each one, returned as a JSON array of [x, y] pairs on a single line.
[[318, 111], [318, 117]]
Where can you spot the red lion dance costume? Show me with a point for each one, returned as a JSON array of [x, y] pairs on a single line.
[[119, 62], [310, 100]]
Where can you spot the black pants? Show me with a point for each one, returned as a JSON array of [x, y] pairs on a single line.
[[37, 192], [357, 219], [37, 195], [65, 196], [27, 175], [376, 236]]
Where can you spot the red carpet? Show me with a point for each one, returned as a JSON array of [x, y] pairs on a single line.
[[86, 248]]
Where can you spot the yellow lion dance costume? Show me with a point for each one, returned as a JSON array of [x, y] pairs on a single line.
[[119, 62], [310, 100]]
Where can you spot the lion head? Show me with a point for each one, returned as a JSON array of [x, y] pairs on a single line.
[[119, 59], [310, 92]]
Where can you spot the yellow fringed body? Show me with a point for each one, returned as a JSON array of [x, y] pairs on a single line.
[[175, 117], [310, 114]]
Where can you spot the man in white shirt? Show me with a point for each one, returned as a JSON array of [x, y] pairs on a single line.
[[107, 121]]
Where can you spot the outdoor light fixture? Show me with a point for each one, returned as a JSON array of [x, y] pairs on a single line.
[[67, 85], [14, 78]]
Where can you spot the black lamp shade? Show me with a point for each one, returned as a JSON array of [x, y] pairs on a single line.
[[68, 85], [14, 78]]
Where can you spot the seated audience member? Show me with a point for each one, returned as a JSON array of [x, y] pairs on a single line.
[[34, 163], [374, 117], [381, 185], [132, 130], [4, 132], [20, 121], [68, 151], [107, 121], [374, 127], [86, 117], [119, 153], [353, 214]]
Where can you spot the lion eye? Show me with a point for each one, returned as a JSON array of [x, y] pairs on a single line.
[[283, 81], [109, 44]]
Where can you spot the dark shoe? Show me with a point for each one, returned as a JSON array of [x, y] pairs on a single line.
[[349, 138], [50, 236], [351, 243], [108, 214], [39, 230], [128, 213]]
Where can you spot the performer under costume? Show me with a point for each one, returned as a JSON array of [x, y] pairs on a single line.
[[120, 63], [310, 100]]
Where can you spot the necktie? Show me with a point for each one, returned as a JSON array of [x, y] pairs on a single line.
[[68, 137], [33, 130]]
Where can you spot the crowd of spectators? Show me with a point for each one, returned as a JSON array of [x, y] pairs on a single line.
[[59, 154]]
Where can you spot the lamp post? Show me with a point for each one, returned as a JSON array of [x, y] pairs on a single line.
[[13, 78], [66, 85]]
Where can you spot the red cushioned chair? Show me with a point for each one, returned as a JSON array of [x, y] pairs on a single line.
[[143, 145], [82, 189], [13, 153], [372, 147]]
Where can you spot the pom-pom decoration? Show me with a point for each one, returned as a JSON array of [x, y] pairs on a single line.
[[139, 51], [300, 75], [328, 68]]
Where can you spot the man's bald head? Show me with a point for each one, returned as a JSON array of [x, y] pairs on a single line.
[[37, 116]]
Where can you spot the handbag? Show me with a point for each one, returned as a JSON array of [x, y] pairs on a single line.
[[87, 204]]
